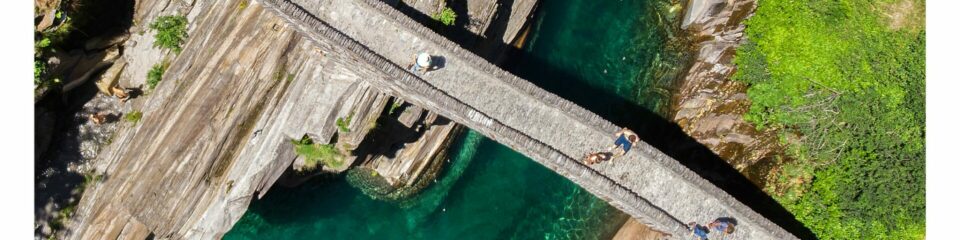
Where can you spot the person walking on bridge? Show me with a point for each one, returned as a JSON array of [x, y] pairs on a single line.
[[626, 139]]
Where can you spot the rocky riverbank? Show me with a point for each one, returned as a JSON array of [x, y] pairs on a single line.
[[217, 130], [708, 105]]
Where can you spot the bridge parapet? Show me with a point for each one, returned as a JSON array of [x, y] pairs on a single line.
[[626, 194]]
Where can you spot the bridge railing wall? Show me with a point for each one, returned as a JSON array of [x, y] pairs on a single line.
[[399, 82]]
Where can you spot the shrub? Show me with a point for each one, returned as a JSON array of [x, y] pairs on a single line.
[[326, 154], [133, 117], [344, 124], [171, 32], [446, 16], [155, 75]]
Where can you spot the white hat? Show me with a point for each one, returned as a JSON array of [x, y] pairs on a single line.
[[423, 59]]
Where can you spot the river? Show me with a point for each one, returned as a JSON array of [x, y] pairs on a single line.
[[577, 49]]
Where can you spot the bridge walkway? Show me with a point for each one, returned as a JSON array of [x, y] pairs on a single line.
[[645, 183]]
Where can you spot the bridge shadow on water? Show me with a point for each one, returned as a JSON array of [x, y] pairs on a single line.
[[653, 128], [657, 131]]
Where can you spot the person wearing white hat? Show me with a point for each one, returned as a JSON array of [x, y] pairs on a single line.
[[423, 63]]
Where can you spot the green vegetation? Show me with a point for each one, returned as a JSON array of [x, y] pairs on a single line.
[[59, 221], [70, 208], [133, 117], [43, 47], [843, 84], [344, 124], [243, 5], [74, 23], [313, 153], [446, 16], [393, 107], [39, 68], [155, 75], [171, 32]]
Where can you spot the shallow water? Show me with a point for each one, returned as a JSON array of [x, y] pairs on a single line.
[[488, 191]]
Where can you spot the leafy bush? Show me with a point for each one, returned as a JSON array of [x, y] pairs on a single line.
[[171, 32], [155, 75], [446, 16], [326, 154], [848, 89], [133, 117]]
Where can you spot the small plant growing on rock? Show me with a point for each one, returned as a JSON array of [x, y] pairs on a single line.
[[133, 117], [344, 124], [171, 32], [446, 16], [243, 5], [396, 105], [155, 75]]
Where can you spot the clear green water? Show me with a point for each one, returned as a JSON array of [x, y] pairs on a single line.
[[488, 191]]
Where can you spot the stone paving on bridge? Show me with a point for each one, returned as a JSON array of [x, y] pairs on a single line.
[[645, 183]]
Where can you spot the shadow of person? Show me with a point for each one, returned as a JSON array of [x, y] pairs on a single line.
[[727, 220], [112, 118], [135, 92], [439, 62]]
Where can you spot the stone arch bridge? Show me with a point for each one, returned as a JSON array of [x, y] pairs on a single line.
[[647, 184]]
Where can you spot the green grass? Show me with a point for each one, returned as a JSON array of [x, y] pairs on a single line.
[[845, 90], [171, 32], [314, 154], [446, 16], [155, 75], [133, 117]]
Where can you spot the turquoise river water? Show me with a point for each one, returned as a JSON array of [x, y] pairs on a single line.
[[488, 191]]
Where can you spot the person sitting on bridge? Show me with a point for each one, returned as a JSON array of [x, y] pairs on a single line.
[[723, 225], [422, 64], [626, 139], [698, 231], [596, 157]]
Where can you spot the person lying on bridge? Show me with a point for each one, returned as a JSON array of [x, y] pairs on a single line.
[[422, 63], [698, 231], [597, 157], [723, 225], [626, 139]]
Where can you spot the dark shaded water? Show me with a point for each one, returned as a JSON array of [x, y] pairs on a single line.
[[488, 191]]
